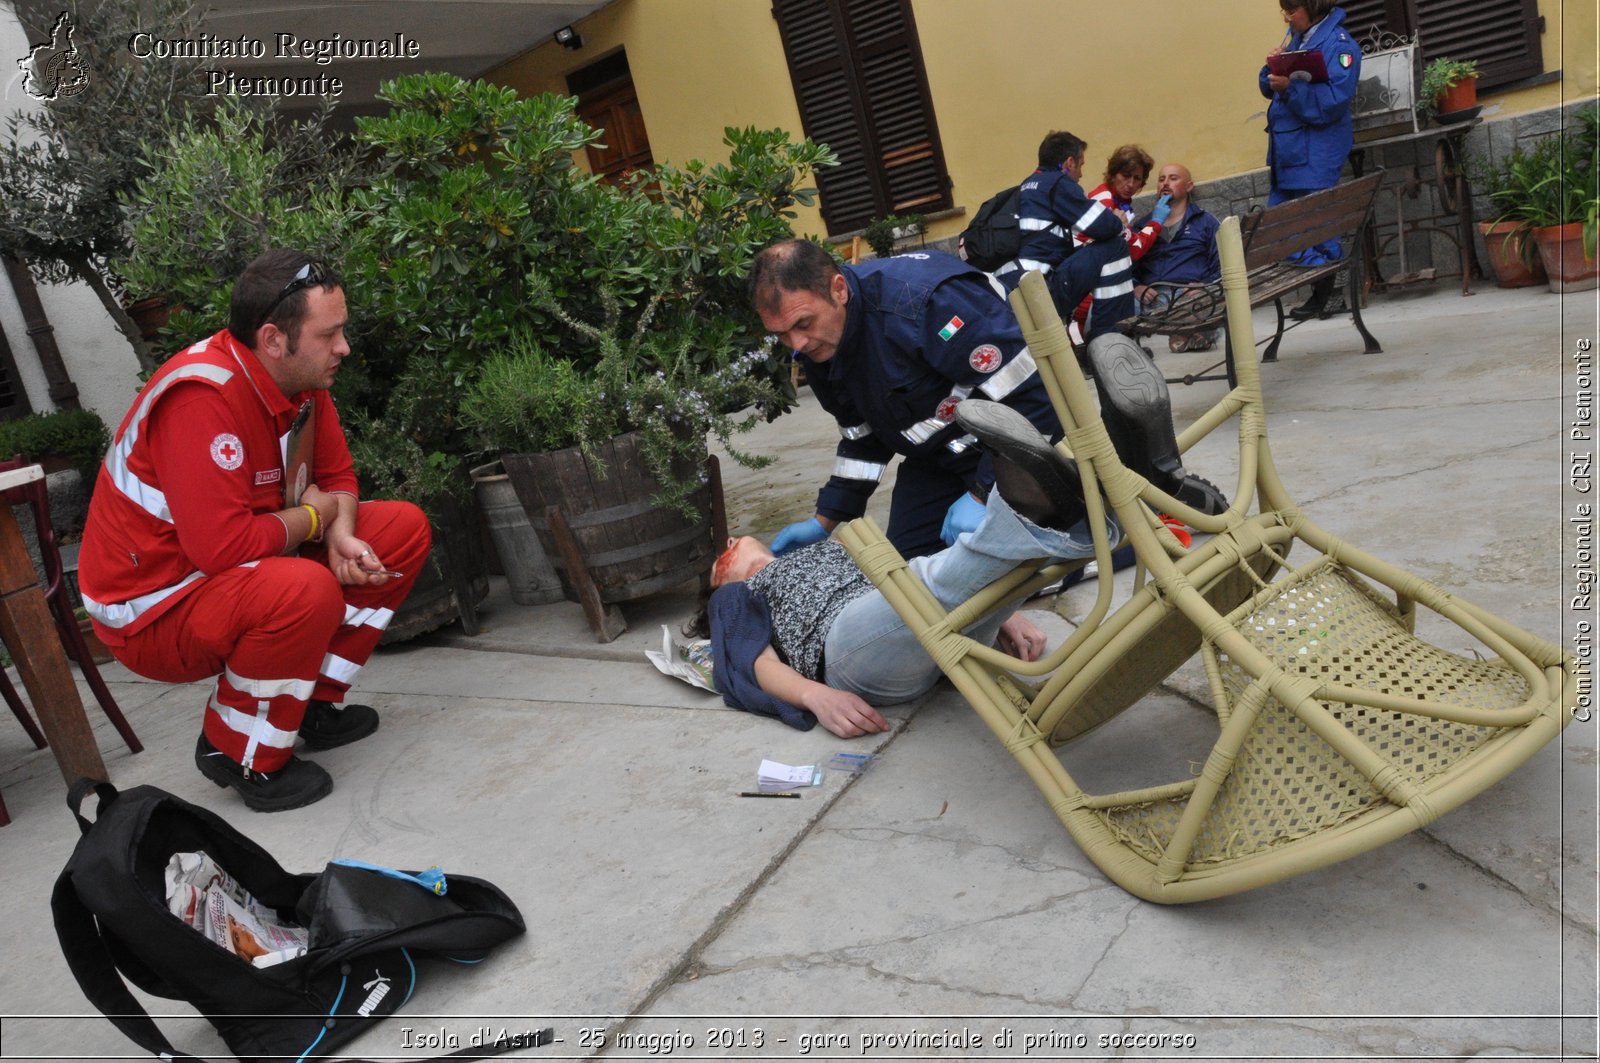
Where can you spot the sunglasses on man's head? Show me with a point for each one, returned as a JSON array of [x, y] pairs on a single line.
[[309, 275]]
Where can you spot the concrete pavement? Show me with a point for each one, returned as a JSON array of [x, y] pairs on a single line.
[[936, 899]]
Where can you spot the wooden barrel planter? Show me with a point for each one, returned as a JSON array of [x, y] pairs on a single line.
[[454, 579], [606, 537]]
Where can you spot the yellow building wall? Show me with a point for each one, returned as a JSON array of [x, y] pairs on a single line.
[[1177, 76]]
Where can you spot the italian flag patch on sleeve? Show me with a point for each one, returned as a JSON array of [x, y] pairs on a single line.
[[951, 327]]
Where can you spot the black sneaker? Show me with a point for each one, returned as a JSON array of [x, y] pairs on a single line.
[[327, 725], [295, 785]]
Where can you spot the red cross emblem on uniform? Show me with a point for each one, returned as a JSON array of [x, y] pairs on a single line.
[[985, 359], [227, 451], [947, 409]]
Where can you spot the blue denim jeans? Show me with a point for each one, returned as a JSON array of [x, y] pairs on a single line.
[[870, 651]]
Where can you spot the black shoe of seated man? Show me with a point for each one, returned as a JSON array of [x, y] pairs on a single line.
[[327, 725], [295, 785], [1035, 480]]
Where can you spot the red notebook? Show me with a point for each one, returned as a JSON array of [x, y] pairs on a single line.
[[1298, 66]]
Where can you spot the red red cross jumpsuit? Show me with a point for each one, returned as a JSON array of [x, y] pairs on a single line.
[[182, 567]]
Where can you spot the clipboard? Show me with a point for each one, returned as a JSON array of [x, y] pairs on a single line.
[[297, 449], [1299, 66]]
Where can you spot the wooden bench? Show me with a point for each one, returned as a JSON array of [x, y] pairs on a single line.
[[1271, 236]]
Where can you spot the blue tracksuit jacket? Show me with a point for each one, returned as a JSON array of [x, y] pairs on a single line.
[[1309, 131]]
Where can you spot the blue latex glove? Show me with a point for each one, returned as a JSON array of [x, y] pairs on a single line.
[[1162, 210], [964, 515], [801, 533]]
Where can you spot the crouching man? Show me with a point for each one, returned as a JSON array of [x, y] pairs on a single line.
[[193, 565]]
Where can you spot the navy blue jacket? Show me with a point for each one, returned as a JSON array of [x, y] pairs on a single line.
[[1054, 209], [1309, 130], [922, 332], [1189, 257]]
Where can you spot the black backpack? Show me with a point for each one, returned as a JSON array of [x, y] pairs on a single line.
[[995, 235], [367, 928]]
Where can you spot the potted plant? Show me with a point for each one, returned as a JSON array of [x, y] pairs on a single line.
[[1449, 86], [1564, 207], [882, 233], [1508, 239], [1549, 204]]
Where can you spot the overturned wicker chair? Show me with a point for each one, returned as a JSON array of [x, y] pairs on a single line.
[[1338, 729]]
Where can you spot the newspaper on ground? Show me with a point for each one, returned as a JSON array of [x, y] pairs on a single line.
[[688, 661]]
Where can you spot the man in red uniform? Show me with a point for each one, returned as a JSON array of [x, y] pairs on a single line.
[[192, 565]]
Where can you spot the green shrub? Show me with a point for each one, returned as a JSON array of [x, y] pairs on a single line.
[[78, 437]]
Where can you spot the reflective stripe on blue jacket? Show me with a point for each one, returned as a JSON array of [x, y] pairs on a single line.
[[922, 332]]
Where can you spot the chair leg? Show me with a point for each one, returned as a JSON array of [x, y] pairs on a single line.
[[79, 650], [1271, 353], [21, 711]]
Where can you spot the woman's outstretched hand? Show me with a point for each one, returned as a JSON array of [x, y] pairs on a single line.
[[1022, 638]]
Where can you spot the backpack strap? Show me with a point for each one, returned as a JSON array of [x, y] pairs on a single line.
[[80, 790], [96, 973]]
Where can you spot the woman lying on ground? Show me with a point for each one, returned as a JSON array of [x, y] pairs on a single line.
[[807, 638]]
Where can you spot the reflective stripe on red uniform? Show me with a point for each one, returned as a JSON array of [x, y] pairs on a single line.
[[135, 562]]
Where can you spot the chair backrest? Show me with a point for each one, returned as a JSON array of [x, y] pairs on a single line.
[[36, 495]]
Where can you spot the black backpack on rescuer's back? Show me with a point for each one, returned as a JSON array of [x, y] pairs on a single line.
[[368, 932], [995, 235]]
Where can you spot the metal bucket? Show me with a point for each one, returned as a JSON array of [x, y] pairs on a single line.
[[532, 579]]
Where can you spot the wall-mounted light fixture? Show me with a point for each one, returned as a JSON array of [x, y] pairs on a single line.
[[568, 38]]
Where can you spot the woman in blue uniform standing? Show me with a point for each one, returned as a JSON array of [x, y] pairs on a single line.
[[1309, 130]]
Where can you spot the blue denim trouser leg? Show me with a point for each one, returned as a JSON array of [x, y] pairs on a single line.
[[869, 650]]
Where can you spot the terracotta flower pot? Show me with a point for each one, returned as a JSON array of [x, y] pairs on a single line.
[[1561, 248], [151, 316], [1461, 96], [1508, 257]]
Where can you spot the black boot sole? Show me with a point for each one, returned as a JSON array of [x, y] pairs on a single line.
[[1054, 497], [1129, 378]]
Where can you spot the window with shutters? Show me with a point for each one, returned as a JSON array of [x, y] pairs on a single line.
[[862, 90], [1502, 35]]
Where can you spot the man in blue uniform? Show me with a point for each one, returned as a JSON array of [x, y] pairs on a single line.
[[892, 347], [1074, 241]]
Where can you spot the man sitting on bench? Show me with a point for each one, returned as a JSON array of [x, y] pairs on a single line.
[[1185, 252]]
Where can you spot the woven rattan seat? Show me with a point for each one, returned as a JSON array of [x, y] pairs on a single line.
[[1337, 727]]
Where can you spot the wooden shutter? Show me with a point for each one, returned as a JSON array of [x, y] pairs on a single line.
[[1370, 19], [1502, 35], [861, 88]]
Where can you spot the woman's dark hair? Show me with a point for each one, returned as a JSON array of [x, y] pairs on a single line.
[[1127, 159], [698, 626], [1317, 10]]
